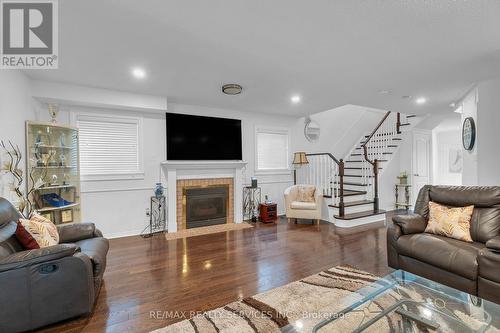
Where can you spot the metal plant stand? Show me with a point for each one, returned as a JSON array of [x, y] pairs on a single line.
[[251, 201], [157, 217]]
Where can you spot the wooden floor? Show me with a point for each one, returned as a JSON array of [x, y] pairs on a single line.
[[205, 272]]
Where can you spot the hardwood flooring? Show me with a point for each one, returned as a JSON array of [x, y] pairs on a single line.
[[144, 276]]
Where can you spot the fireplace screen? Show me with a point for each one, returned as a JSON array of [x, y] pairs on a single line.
[[206, 206]]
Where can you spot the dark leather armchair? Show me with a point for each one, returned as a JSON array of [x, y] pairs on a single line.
[[470, 267], [43, 286]]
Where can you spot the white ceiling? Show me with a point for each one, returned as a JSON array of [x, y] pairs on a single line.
[[332, 53]]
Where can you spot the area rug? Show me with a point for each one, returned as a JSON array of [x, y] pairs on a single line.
[[300, 305], [213, 229]]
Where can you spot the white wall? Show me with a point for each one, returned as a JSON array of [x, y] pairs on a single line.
[[470, 158], [16, 106], [443, 142], [488, 133], [341, 128]]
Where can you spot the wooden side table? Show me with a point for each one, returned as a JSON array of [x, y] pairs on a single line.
[[268, 212]]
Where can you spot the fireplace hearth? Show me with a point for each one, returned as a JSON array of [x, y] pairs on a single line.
[[205, 206]]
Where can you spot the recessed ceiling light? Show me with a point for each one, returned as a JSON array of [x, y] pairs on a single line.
[[138, 73], [452, 105], [232, 89], [421, 100], [384, 92], [295, 99]]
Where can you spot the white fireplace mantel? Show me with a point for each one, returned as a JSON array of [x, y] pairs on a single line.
[[174, 170]]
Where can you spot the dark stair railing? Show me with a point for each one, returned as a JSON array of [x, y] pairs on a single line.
[[380, 133], [330, 177]]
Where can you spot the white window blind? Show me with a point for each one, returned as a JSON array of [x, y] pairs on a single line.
[[272, 149], [109, 145]]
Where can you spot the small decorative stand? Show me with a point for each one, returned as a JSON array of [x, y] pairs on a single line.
[[403, 202], [268, 212], [251, 201], [157, 217]]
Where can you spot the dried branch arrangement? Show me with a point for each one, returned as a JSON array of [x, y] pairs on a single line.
[[12, 167]]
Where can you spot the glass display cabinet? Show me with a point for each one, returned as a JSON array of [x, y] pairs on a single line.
[[53, 171]]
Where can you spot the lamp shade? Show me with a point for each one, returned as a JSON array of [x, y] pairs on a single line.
[[300, 158]]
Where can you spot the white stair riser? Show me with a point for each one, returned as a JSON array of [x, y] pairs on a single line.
[[356, 222], [352, 209]]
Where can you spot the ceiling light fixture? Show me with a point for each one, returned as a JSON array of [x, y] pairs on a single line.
[[138, 73], [384, 92], [295, 99], [421, 100], [232, 89]]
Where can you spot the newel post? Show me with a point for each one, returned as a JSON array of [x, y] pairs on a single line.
[[375, 176], [398, 123], [341, 188]]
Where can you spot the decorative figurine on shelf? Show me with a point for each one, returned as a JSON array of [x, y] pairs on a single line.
[[38, 138], [52, 162], [159, 190], [38, 161], [65, 179], [63, 160], [53, 112], [267, 200], [54, 180], [62, 140]]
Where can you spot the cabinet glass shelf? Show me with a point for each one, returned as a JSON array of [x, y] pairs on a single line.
[[53, 161]]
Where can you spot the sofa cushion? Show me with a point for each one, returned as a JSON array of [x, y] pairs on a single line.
[[303, 205], [37, 232], [450, 222], [446, 253], [96, 249]]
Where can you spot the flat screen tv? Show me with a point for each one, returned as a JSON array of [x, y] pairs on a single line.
[[203, 138]]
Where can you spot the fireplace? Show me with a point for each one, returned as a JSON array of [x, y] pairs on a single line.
[[205, 206]]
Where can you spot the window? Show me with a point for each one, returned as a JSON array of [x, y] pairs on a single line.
[[110, 147], [272, 150]]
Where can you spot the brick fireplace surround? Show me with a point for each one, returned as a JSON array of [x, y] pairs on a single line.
[[181, 174], [182, 184]]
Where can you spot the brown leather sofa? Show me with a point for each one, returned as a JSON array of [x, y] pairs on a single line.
[[43, 286], [470, 267]]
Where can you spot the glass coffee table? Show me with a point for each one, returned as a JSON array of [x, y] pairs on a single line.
[[404, 302]]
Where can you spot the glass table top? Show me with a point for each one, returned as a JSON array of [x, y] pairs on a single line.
[[402, 302]]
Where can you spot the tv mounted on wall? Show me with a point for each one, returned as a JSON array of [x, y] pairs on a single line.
[[203, 138]]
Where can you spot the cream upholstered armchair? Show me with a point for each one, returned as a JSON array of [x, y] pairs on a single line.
[[300, 207]]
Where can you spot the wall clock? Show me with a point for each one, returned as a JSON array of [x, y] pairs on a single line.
[[468, 133]]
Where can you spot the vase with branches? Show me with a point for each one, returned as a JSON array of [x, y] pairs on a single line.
[[12, 167]]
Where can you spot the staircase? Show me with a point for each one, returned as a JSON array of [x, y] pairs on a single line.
[[350, 185]]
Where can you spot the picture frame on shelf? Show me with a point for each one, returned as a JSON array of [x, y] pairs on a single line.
[[67, 216], [47, 215]]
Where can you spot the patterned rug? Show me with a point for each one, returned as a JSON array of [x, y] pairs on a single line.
[[213, 229], [300, 305]]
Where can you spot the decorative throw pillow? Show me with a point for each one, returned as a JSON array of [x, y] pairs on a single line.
[[306, 193], [450, 222], [37, 232]]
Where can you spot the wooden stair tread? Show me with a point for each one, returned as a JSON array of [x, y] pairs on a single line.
[[405, 124], [357, 176], [357, 168], [411, 116], [384, 153], [360, 214], [352, 183], [362, 161], [390, 146], [353, 203]]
